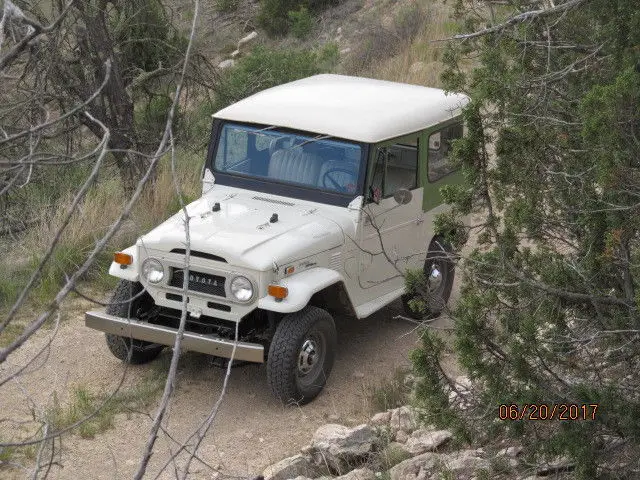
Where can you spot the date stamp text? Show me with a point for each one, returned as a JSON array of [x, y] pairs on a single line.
[[543, 411]]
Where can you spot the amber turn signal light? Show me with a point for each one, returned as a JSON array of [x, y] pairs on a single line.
[[278, 291], [122, 258]]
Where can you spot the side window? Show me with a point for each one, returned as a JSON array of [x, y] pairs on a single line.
[[396, 167], [439, 148], [402, 168]]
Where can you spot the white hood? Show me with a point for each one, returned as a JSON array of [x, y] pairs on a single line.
[[241, 231]]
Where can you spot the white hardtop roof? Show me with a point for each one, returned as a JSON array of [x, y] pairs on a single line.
[[354, 108]]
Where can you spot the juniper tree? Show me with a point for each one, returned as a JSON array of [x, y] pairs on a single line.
[[548, 312]]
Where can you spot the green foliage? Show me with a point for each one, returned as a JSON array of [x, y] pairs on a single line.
[[226, 6], [278, 16], [301, 22], [548, 310], [145, 35], [266, 68]]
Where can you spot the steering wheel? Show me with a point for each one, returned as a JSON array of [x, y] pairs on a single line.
[[334, 183]]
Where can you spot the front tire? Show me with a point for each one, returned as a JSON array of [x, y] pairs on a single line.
[[123, 304], [439, 272], [301, 355]]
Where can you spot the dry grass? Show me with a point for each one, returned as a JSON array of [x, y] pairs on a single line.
[[101, 206], [420, 62]]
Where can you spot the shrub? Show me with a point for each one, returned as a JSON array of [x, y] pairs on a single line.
[[275, 15], [266, 68], [226, 6], [301, 22]]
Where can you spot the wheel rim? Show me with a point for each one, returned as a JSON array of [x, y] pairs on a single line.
[[310, 357], [435, 277], [436, 270]]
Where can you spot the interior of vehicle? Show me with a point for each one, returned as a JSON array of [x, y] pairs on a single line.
[[317, 162]]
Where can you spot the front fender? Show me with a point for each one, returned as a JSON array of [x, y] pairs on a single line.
[[301, 288], [131, 272]]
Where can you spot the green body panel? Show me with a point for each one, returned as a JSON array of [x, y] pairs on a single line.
[[431, 196]]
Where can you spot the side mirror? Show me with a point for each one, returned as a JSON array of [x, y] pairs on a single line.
[[402, 196]]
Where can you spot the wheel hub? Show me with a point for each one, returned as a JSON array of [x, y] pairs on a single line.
[[435, 277], [308, 356]]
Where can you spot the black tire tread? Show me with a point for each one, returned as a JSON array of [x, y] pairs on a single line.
[[141, 352], [284, 350]]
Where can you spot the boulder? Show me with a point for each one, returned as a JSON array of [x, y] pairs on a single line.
[[380, 419], [404, 418], [462, 465], [401, 436], [423, 440], [292, 467], [465, 464], [226, 63], [411, 468], [358, 474], [338, 446], [246, 41]]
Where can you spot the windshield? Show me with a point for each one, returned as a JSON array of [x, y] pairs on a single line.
[[317, 162]]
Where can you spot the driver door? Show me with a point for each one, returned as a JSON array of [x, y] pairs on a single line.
[[390, 237]]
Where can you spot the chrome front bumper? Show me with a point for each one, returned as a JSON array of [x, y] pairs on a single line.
[[210, 344]]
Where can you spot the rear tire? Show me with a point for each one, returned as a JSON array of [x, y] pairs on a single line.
[[301, 355], [438, 267], [127, 349]]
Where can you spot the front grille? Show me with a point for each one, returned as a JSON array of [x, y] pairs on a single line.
[[199, 282]]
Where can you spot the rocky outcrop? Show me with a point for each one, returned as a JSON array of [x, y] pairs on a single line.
[[339, 447], [461, 465], [419, 452], [423, 440], [292, 467]]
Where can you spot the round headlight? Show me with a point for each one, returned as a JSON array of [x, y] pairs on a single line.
[[242, 289], [152, 270]]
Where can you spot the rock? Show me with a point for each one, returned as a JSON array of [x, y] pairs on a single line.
[[358, 374], [465, 464], [226, 63], [410, 469], [358, 474], [244, 42], [333, 417], [401, 436], [345, 50], [380, 419], [404, 418], [296, 466], [463, 383], [338, 446], [422, 440], [235, 54], [510, 452], [462, 465], [560, 464]]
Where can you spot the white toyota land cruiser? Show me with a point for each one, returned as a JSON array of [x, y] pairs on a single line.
[[317, 196]]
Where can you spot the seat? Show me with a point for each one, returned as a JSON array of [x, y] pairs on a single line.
[[294, 165]]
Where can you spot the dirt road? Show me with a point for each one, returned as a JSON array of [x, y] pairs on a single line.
[[251, 430]]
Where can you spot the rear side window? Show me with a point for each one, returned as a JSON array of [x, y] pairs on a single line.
[[440, 143]]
